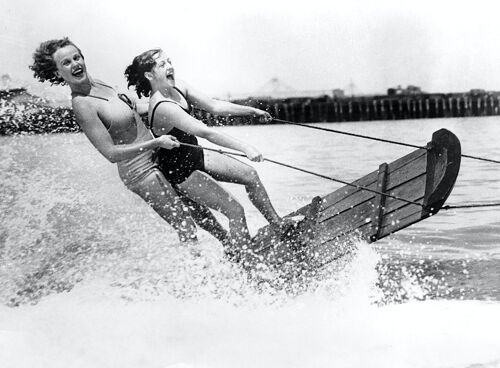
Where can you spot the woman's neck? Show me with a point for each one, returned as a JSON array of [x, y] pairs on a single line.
[[84, 87], [167, 91]]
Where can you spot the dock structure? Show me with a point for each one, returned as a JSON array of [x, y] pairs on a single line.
[[366, 108]]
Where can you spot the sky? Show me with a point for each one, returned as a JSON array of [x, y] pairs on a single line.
[[235, 47]]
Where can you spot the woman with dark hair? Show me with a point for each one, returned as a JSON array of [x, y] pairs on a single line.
[[188, 168], [118, 133]]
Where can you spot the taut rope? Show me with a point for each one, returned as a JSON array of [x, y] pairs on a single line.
[[306, 171], [375, 139], [448, 207]]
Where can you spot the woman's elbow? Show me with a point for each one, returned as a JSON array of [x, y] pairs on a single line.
[[112, 157], [208, 134]]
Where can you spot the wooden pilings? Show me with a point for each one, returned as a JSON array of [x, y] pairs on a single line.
[[421, 106], [365, 108]]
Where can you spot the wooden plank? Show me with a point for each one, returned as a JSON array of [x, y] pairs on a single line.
[[406, 173], [346, 232], [362, 211], [403, 164], [401, 223], [329, 230], [404, 218], [348, 203], [341, 193], [333, 248], [413, 191], [403, 212], [378, 210], [359, 214], [443, 162], [349, 213], [400, 162]]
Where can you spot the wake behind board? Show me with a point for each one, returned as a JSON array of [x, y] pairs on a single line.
[[425, 177]]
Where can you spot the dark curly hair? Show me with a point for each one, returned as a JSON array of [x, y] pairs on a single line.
[[135, 72], [44, 67]]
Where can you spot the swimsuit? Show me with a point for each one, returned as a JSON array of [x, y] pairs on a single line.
[[132, 171], [178, 163]]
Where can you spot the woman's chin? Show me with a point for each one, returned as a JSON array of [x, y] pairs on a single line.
[[171, 82]]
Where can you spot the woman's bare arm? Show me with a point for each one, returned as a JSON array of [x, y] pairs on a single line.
[[170, 115], [90, 123], [220, 107]]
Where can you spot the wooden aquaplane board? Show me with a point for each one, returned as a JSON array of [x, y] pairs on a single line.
[[425, 177]]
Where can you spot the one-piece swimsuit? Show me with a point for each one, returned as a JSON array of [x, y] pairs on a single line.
[[132, 171], [178, 163]]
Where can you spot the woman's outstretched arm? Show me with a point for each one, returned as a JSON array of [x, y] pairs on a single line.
[[170, 115], [221, 107]]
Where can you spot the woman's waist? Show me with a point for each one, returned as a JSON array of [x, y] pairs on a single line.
[[131, 137], [142, 162]]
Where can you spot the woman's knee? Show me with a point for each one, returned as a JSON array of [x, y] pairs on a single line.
[[251, 176], [235, 210]]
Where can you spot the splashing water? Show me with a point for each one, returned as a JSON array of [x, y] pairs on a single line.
[[132, 325], [91, 277]]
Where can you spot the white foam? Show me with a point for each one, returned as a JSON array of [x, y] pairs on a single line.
[[336, 324]]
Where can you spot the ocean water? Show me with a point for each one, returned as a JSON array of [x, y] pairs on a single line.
[[90, 276]]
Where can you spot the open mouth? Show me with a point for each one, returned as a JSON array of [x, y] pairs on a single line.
[[170, 75], [77, 72]]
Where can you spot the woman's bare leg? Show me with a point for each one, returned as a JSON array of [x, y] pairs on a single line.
[[205, 219], [224, 168], [160, 195], [203, 189]]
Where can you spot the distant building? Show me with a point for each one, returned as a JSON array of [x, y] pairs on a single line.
[[274, 88], [413, 90], [477, 92], [409, 90], [338, 93]]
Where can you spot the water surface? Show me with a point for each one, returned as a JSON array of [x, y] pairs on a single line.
[[90, 276]]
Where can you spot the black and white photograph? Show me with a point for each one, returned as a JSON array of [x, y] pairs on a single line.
[[249, 184]]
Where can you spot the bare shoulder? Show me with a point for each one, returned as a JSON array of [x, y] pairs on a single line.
[[153, 101], [82, 102], [84, 108], [165, 106]]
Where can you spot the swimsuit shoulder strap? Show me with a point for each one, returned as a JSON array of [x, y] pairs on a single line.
[[185, 99], [105, 85], [98, 97], [126, 99]]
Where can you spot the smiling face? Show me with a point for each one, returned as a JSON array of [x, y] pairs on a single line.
[[163, 73], [70, 64]]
